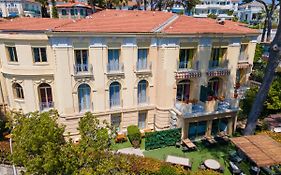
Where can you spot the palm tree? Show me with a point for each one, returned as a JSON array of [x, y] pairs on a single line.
[[44, 4]]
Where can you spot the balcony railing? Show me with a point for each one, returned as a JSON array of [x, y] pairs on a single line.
[[185, 66], [203, 108], [114, 103], [140, 66], [218, 64], [243, 58], [143, 100], [46, 105], [83, 69], [115, 68]]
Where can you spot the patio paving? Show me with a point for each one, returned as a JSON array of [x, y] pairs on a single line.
[[133, 151]]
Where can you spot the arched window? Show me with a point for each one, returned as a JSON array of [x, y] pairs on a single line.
[[183, 90], [45, 96], [84, 99], [142, 91], [114, 94], [213, 86], [18, 91]]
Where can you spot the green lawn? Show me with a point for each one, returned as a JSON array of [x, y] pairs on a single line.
[[116, 146], [219, 153]]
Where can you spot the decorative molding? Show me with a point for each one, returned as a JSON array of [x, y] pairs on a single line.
[[14, 80], [188, 74], [60, 42], [97, 42], [37, 82]]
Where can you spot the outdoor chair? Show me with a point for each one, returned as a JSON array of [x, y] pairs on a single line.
[[221, 170], [178, 145], [234, 168], [184, 149]]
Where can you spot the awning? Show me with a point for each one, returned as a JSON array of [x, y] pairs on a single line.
[[189, 74], [243, 65]]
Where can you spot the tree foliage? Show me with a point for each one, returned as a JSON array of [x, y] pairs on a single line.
[[37, 141], [272, 105]]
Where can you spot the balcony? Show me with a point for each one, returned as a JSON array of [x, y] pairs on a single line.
[[184, 71], [207, 108], [83, 70], [115, 103], [143, 100], [143, 68], [115, 69], [45, 106], [218, 68]]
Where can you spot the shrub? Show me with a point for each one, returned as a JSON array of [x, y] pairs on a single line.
[[165, 169], [160, 139], [134, 135]]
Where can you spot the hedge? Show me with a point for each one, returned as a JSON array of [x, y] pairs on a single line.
[[134, 135], [160, 139]]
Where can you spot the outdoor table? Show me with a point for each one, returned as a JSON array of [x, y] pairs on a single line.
[[212, 164], [179, 161]]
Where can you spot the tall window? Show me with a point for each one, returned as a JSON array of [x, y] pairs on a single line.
[[243, 52], [81, 60], [183, 90], [116, 121], [39, 54], [185, 58], [18, 91], [84, 92], [142, 120], [142, 94], [114, 94], [72, 12], [217, 57], [142, 59], [197, 129], [63, 12], [45, 96], [213, 86], [113, 59], [12, 53], [82, 12]]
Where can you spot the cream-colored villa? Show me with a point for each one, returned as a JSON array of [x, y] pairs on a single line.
[[156, 70]]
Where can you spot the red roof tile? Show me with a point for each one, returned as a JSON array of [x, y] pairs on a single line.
[[119, 21], [127, 21], [33, 24], [190, 25]]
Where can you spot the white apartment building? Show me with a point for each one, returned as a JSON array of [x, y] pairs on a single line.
[[250, 12], [221, 8], [22, 8], [156, 70]]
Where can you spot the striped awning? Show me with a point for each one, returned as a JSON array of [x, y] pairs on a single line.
[[221, 72], [244, 65], [189, 74]]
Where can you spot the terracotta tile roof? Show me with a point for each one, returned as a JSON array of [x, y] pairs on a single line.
[[119, 21], [73, 4], [33, 24], [127, 21], [190, 25]]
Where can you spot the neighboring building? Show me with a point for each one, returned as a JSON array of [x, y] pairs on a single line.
[[152, 69], [74, 10], [250, 12], [22, 8], [221, 8]]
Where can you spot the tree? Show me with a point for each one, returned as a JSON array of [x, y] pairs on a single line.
[[44, 5], [273, 62], [93, 135], [269, 12], [37, 142], [189, 5], [54, 10]]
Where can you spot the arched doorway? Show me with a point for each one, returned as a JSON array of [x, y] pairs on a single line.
[[45, 96], [84, 97]]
